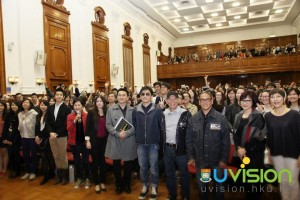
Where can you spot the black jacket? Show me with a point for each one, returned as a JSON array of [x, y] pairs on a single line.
[[211, 146], [58, 126], [180, 132], [147, 125], [91, 127], [10, 128]]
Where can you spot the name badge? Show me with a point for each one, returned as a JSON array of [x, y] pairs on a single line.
[[215, 127]]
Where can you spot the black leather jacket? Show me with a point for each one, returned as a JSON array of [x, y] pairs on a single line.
[[180, 133]]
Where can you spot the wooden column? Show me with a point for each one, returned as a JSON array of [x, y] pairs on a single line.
[[2, 59], [128, 55], [146, 60]]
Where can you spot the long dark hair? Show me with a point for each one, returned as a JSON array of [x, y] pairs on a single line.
[[17, 103], [227, 98], [219, 107], [40, 114], [96, 114], [4, 114]]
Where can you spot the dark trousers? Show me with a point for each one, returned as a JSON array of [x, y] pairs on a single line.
[[48, 165], [99, 165], [125, 180], [14, 156], [81, 161], [30, 155]]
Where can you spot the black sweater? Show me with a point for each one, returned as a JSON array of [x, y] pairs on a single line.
[[283, 137]]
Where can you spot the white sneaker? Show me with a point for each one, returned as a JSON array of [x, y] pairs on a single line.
[[32, 177], [26, 176], [87, 184], [78, 184]]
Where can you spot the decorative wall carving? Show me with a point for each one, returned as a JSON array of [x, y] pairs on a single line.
[[146, 60], [128, 55]]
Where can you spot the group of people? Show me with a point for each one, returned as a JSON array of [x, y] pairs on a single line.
[[235, 53], [168, 130]]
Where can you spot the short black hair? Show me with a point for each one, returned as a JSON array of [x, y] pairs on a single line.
[[157, 83], [59, 90], [147, 88], [124, 90], [19, 94], [252, 96], [33, 94], [278, 91], [78, 100]]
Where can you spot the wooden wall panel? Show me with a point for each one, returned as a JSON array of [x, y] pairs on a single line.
[[2, 60], [57, 42]]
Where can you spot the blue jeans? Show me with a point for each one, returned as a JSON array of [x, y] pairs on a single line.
[[81, 161], [30, 155], [170, 160], [148, 156], [203, 187]]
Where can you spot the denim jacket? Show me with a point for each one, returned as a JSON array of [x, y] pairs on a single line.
[[211, 146]]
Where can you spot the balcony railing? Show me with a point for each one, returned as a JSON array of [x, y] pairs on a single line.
[[252, 65]]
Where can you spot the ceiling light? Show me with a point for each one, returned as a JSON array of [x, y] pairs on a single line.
[[235, 4], [165, 8], [209, 1], [272, 36], [237, 17], [218, 25], [278, 11], [185, 29], [176, 20], [214, 14]]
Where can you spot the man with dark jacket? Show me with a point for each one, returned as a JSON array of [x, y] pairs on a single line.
[[146, 119], [57, 119], [174, 133], [208, 144]]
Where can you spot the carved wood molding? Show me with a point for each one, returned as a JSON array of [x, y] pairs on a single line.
[[99, 18], [56, 5], [59, 75]]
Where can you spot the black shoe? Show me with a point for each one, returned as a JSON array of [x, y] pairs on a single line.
[[58, 176], [14, 175], [44, 181], [65, 174], [171, 198], [119, 190], [127, 189]]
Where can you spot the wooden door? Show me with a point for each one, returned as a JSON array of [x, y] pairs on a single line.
[[100, 50], [57, 41]]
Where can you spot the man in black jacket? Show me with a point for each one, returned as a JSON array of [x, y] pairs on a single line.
[[208, 144], [174, 132], [146, 119], [57, 117]]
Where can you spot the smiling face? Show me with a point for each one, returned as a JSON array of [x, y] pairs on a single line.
[[43, 107], [146, 96], [77, 107], [218, 96], [246, 103], [293, 96], [59, 96], [14, 107], [122, 97], [26, 105], [265, 98], [172, 101], [99, 103], [206, 102], [277, 100]]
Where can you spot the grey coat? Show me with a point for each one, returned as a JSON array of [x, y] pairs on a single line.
[[117, 148]]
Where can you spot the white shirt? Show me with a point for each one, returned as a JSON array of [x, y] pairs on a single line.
[[57, 106], [172, 119]]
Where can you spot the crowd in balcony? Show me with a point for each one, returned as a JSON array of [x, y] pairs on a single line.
[[235, 53]]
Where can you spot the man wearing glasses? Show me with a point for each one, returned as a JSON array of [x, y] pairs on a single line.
[[146, 119], [208, 143]]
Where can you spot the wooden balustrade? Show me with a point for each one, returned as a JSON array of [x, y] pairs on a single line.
[[254, 65]]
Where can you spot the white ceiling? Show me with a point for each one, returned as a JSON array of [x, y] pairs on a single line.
[[189, 17]]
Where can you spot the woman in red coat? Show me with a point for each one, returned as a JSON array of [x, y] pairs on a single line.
[[76, 126]]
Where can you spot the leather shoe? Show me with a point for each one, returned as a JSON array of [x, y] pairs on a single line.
[[127, 189], [119, 190], [44, 181]]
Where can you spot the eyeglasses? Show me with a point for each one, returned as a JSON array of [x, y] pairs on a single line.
[[205, 100], [145, 94], [246, 101]]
